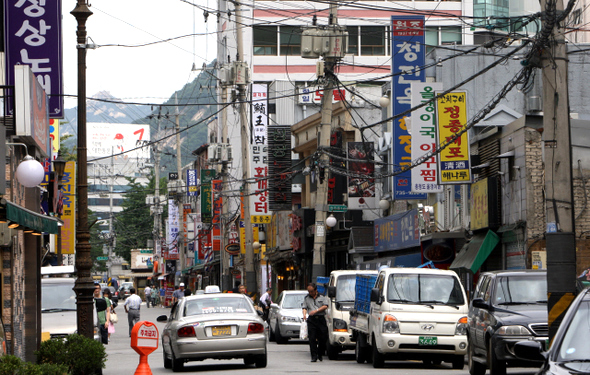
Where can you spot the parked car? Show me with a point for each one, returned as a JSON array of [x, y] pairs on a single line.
[[216, 326], [570, 348], [123, 291], [507, 307], [285, 316]]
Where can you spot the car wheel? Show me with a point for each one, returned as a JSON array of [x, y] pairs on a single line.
[[249, 360], [177, 364], [332, 351], [260, 361], [378, 358], [497, 367], [278, 337], [360, 353], [167, 361], [475, 368], [458, 362]]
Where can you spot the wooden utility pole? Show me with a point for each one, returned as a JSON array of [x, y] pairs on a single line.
[[559, 204], [179, 193]]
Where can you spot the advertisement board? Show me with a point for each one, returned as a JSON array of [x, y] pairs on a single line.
[[479, 205], [68, 189], [259, 153], [361, 189], [125, 141], [396, 232]]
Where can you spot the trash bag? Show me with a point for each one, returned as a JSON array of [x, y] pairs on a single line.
[[303, 331]]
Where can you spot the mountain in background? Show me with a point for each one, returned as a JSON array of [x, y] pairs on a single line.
[[196, 106]]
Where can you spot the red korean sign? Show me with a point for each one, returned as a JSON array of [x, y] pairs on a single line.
[[144, 337]]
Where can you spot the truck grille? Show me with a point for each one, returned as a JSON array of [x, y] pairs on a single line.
[[540, 329]]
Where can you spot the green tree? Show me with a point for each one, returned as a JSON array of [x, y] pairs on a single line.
[[134, 225]]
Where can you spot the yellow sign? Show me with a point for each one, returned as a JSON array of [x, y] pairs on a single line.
[[68, 230], [260, 219], [255, 238], [479, 205], [453, 163], [54, 135]]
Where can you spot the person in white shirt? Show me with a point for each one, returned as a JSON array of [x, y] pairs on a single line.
[[265, 302], [132, 305], [148, 295]]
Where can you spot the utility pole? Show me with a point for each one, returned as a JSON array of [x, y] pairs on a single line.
[[242, 88], [559, 204], [319, 237], [179, 191], [84, 285], [225, 276], [111, 238], [157, 220]]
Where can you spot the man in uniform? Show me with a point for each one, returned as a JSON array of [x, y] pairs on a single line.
[[314, 312]]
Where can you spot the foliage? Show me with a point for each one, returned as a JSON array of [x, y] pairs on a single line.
[[80, 354], [67, 153], [134, 225], [11, 365]]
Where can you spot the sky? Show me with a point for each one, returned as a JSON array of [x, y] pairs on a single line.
[[149, 74]]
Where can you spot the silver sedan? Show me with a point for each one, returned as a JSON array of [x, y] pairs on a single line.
[[216, 326], [286, 315]]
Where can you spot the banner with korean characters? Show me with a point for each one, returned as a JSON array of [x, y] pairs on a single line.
[[423, 131], [207, 175], [68, 189], [173, 229], [451, 110], [361, 183], [259, 152], [217, 211], [279, 164], [255, 236], [191, 183], [408, 60], [33, 37]]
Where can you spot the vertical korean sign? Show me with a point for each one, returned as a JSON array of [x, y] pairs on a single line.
[[173, 229], [259, 212], [68, 189], [453, 161], [408, 59], [279, 163], [207, 175], [32, 36], [216, 186], [191, 183], [424, 176]]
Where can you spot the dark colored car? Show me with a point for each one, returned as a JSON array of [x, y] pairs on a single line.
[[569, 353], [114, 293], [507, 307], [123, 291]]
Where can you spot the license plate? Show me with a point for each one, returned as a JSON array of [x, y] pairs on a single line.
[[221, 331], [427, 340]]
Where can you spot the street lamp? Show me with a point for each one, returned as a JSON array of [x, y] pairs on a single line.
[[29, 172], [84, 286], [331, 221]]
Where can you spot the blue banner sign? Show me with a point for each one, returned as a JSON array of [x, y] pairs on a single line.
[[396, 232]]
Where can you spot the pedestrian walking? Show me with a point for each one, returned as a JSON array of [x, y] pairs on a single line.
[[314, 311], [155, 300], [148, 296], [108, 295], [265, 302], [103, 309], [162, 296], [178, 294], [131, 306]]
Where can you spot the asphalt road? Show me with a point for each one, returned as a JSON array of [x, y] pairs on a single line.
[[282, 359]]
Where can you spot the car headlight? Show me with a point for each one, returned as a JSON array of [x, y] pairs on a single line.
[[390, 324], [339, 325], [290, 319], [514, 331], [461, 328]]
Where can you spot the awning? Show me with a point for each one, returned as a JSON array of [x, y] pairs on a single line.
[[162, 277], [475, 252], [141, 274], [30, 219]]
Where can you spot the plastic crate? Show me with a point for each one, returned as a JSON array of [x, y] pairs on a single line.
[[322, 282], [364, 284]]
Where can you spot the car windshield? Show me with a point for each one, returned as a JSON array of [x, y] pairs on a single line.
[[58, 296], [425, 289], [214, 305], [293, 301], [516, 290], [345, 288], [575, 345]]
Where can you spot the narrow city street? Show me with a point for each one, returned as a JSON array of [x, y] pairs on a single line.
[[282, 359]]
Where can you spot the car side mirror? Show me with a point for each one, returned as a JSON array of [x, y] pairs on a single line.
[[529, 350], [376, 296], [331, 291], [274, 306], [479, 303], [162, 318]]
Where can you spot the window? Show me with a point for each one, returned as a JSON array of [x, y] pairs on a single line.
[[372, 41], [290, 40], [436, 36], [353, 40], [265, 40]]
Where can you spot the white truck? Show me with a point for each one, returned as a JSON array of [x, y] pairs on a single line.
[[410, 314], [341, 291]]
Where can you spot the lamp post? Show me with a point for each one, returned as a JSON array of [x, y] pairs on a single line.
[[84, 285]]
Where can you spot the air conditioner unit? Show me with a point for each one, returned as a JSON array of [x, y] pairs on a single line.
[[212, 153], [227, 153]]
